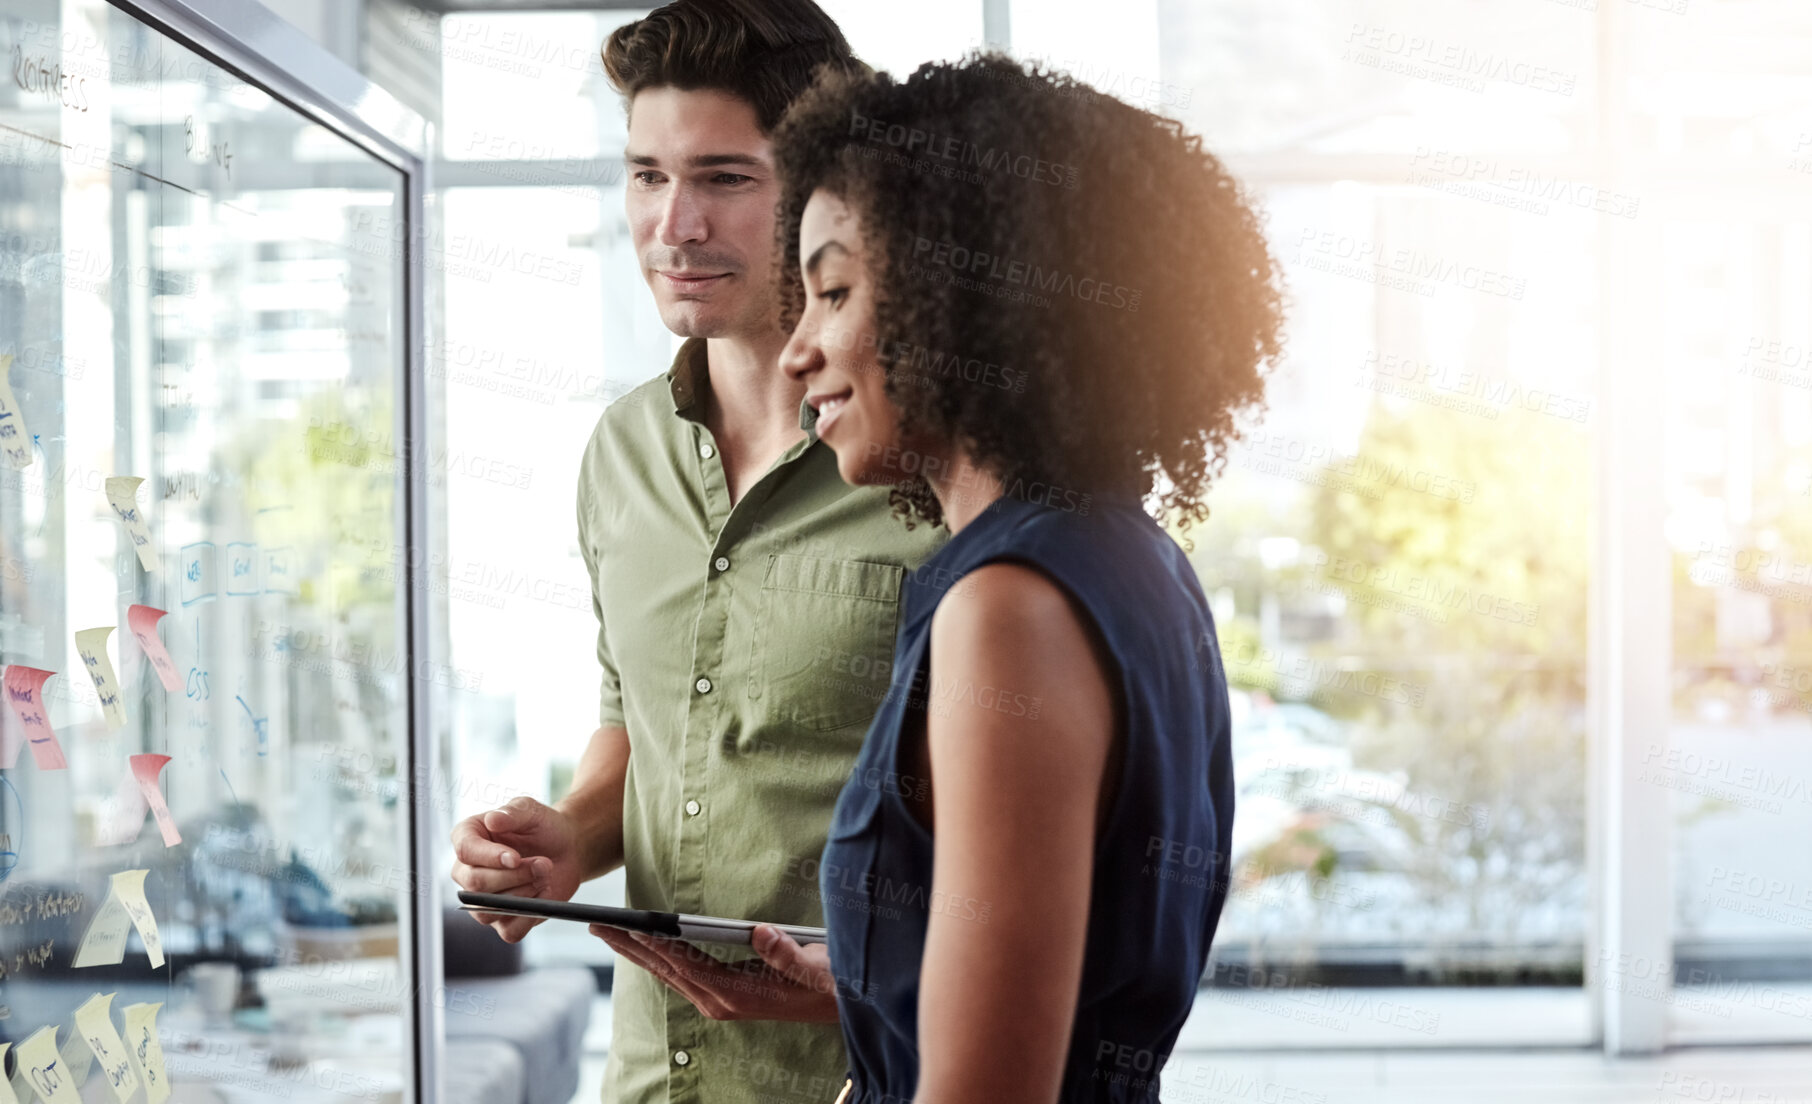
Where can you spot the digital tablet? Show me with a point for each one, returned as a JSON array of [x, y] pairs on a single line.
[[676, 925]]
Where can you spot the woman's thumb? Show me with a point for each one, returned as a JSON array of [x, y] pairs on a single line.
[[775, 948]]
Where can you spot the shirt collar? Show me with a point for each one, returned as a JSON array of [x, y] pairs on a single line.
[[690, 377], [808, 420]]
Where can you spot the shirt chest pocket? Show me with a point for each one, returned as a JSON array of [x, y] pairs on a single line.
[[822, 655]]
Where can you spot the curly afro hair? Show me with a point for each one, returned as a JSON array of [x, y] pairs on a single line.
[[1108, 271]]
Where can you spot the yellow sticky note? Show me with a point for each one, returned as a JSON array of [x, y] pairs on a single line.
[[129, 887], [94, 1023], [91, 644], [146, 1050], [16, 1084], [126, 906], [15, 439], [122, 495], [104, 944], [43, 1068]]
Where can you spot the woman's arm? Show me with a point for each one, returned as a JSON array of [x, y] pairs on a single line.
[[1020, 725]]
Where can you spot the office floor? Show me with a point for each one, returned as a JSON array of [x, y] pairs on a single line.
[[1709, 1075]]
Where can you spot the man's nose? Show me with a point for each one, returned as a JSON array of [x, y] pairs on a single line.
[[682, 218]]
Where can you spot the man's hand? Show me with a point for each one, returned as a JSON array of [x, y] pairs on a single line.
[[790, 982], [525, 848]]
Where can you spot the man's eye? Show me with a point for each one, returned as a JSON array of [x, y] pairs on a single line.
[[732, 178], [647, 178]]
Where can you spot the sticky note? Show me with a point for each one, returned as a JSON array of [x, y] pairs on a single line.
[[91, 645], [14, 1089], [43, 1068], [105, 941], [146, 1051], [94, 1024], [15, 439], [122, 495], [25, 693], [123, 815], [142, 620], [197, 580], [145, 769], [77, 1060], [104, 944]]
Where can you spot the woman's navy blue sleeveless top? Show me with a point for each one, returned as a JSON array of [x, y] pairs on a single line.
[[1160, 876]]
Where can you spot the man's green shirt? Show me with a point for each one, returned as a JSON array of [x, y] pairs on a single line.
[[745, 650]]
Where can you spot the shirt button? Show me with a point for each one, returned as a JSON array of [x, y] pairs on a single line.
[[692, 808], [707, 452], [680, 1057], [722, 564], [703, 686]]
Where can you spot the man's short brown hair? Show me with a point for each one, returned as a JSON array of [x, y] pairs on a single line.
[[763, 51]]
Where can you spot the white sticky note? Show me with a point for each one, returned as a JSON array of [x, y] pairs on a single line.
[[91, 644], [15, 439], [122, 815], [43, 1068], [104, 944], [122, 495], [147, 1051], [94, 1023]]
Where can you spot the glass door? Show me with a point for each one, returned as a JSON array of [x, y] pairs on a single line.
[[205, 874]]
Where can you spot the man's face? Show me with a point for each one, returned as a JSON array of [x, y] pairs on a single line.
[[701, 198]]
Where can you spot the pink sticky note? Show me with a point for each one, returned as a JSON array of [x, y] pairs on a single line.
[[145, 768], [25, 693], [142, 620]]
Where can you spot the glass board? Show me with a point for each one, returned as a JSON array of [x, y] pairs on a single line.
[[202, 845]]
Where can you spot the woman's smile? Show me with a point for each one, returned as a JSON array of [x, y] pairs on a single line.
[[828, 406]]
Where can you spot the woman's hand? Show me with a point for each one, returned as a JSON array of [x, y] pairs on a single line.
[[790, 982]]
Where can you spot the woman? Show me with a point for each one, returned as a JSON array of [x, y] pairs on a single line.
[[1021, 303]]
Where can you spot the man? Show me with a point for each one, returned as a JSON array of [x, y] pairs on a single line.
[[747, 597]]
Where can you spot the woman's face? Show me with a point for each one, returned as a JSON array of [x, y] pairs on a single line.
[[833, 351]]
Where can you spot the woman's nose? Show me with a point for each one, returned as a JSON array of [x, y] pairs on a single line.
[[801, 356]]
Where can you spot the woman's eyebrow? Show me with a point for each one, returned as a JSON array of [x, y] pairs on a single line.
[[811, 265]]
